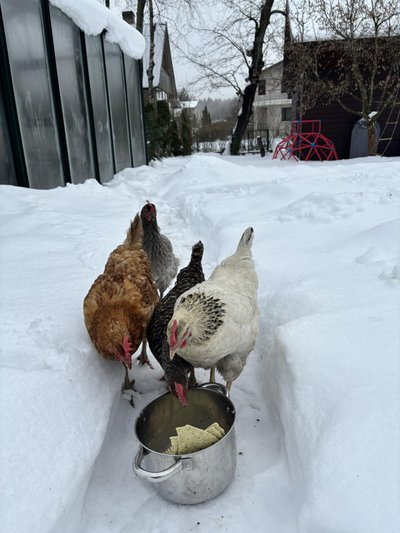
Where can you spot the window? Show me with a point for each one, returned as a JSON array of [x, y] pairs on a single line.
[[286, 114], [261, 87]]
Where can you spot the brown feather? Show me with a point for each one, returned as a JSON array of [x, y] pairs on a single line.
[[122, 299]]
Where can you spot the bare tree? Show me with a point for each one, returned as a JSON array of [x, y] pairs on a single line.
[[357, 63], [140, 15], [150, 70], [232, 50]]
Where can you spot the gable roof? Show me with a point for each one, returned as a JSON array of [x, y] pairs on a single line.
[[162, 53]]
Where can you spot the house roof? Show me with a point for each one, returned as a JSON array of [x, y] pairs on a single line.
[[189, 104]]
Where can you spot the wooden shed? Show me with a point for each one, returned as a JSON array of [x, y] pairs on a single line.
[[310, 103]]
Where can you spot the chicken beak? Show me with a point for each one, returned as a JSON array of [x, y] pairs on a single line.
[[172, 354]]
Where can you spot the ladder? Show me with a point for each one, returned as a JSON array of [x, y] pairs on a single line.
[[392, 121]]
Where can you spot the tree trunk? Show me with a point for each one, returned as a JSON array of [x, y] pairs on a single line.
[[372, 145], [243, 118], [255, 68], [140, 15], [150, 70]]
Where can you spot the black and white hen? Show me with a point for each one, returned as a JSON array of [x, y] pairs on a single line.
[[215, 324], [176, 371], [164, 264]]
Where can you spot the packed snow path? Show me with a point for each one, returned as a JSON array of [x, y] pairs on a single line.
[[318, 402]]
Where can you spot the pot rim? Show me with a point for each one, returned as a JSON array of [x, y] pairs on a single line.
[[208, 391]]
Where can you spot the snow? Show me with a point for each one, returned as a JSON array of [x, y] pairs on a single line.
[[317, 429], [92, 18]]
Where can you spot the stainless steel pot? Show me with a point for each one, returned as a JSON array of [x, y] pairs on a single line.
[[189, 478]]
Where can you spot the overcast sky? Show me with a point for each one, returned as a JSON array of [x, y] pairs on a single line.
[[185, 71]]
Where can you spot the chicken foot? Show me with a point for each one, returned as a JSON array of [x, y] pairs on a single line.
[[143, 359], [192, 379], [212, 374], [128, 389], [128, 383]]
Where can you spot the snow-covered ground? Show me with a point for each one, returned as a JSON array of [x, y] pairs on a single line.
[[318, 404]]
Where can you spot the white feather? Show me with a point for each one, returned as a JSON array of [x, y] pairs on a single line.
[[234, 283]]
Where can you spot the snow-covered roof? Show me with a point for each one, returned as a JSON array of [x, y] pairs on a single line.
[[159, 39], [190, 104], [92, 18]]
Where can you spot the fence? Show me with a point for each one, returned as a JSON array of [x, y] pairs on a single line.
[[250, 144], [70, 104]]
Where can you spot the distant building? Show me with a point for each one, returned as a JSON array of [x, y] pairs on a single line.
[[164, 77], [272, 108], [192, 108], [338, 123]]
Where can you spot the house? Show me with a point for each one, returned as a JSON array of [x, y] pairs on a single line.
[[70, 101], [192, 109], [338, 124], [164, 77], [272, 107]]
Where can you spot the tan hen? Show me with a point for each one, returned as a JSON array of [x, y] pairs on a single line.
[[121, 301]]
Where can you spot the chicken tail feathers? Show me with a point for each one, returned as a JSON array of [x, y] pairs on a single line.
[[135, 232], [246, 241], [197, 252]]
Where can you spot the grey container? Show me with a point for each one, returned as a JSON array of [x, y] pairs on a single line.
[[189, 478]]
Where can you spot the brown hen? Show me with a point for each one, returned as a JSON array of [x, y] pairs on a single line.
[[120, 303]]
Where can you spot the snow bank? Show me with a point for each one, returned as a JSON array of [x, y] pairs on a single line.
[[333, 369], [319, 396], [92, 18]]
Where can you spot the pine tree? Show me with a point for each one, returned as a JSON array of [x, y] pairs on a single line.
[[163, 125], [175, 144], [186, 133], [183, 95], [205, 117], [150, 127]]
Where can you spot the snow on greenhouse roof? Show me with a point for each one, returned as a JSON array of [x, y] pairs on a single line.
[[92, 18]]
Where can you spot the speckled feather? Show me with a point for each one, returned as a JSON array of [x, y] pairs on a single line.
[[164, 264], [222, 313], [177, 369]]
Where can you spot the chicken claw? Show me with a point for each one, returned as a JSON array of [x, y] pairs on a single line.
[[192, 379], [212, 374], [143, 359], [128, 394]]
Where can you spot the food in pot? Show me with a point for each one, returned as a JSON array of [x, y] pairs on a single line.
[[191, 439]]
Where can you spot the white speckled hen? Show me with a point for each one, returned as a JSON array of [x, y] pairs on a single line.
[[216, 322], [176, 371], [164, 265]]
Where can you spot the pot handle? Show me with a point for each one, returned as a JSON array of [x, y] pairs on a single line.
[[156, 477], [216, 387]]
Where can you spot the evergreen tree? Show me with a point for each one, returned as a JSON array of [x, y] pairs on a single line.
[[158, 130], [186, 133], [183, 95], [150, 127], [205, 117], [174, 139], [163, 126]]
